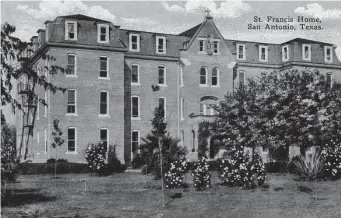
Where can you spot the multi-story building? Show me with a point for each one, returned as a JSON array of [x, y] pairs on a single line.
[[110, 76]]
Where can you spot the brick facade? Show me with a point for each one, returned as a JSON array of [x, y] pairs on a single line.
[[182, 60]]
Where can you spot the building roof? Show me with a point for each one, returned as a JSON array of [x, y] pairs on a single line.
[[190, 32], [82, 17], [306, 41]]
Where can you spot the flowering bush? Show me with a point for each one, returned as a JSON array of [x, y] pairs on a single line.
[[241, 171], [95, 157], [9, 161], [332, 153], [201, 177], [175, 176]]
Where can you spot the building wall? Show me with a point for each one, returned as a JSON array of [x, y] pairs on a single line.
[[148, 76], [88, 85]]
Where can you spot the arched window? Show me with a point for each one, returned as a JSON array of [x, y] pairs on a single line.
[[215, 77], [207, 105], [203, 76]]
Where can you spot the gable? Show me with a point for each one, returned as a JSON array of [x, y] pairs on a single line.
[[209, 33]]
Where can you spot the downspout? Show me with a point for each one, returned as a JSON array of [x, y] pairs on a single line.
[[178, 99], [48, 110]]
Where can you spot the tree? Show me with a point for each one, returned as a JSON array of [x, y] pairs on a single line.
[[150, 149], [14, 67], [8, 152], [292, 107], [58, 141]]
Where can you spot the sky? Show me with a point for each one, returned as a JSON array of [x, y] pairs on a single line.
[[230, 16]]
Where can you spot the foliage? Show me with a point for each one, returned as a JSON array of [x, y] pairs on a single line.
[[241, 170], [58, 141], [175, 175], [310, 168], [9, 161], [291, 107], [11, 49], [203, 133], [138, 161], [114, 164], [150, 149], [201, 176], [95, 157], [332, 153]]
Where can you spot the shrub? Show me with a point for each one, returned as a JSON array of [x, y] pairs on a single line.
[[95, 157], [201, 176], [114, 164], [240, 170], [138, 160], [332, 154], [309, 169], [175, 175], [9, 161]]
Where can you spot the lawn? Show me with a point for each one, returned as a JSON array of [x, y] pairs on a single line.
[[135, 195]]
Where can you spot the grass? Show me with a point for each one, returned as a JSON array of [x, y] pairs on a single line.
[[136, 195]]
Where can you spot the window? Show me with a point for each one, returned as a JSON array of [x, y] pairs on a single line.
[[71, 101], [306, 52], [160, 45], [71, 65], [135, 77], [263, 53], [135, 141], [38, 140], [201, 46], [207, 105], [285, 53], [45, 140], [193, 141], [182, 137], [162, 106], [71, 139], [134, 42], [328, 55], [103, 67], [103, 33], [241, 78], [38, 106], [215, 77], [216, 47], [241, 52], [162, 75], [182, 108], [103, 103], [329, 80], [135, 107], [181, 76], [203, 76], [45, 106], [104, 137], [71, 30]]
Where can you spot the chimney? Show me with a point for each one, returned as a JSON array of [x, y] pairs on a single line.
[[41, 37], [34, 41]]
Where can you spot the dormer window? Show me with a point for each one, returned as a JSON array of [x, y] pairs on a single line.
[[263, 53], [328, 55], [70, 30], [160, 45], [241, 52], [103, 33], [134, 42], [285, 53], [306, 52], [216, 47], [201, 46]]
